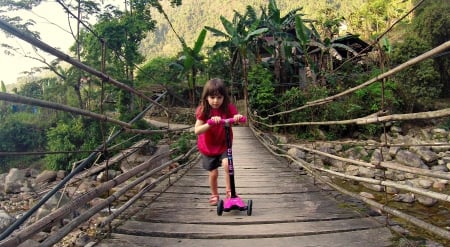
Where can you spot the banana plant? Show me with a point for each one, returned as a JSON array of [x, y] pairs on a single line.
[[239, 35], [192, 62], [282, 42]]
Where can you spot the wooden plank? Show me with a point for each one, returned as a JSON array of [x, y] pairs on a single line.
[[258, 204], [367, 238], [268, 230], [209, 216]]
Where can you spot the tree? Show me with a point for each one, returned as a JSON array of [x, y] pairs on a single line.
[[282, 40], [417, 85], [192, 62], [239, 34], [113, 47], [433, 25]]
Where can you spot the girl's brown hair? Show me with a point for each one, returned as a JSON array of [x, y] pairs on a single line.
[[214, 87]]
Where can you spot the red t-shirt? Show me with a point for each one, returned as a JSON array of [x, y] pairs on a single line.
[[213, 142]]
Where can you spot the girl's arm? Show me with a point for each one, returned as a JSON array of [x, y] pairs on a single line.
[[200, 127]]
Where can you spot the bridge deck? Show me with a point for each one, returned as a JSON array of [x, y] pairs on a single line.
[[288, 210]]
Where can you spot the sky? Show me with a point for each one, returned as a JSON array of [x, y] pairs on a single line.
[[52, 24]]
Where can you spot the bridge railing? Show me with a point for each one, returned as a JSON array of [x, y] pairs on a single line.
[[136, 177], [382, 165]]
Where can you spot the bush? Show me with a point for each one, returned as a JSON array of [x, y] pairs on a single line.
[[261, 90], [418, 85], [20, 132]]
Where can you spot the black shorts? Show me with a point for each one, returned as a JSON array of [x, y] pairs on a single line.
[[213, 162]]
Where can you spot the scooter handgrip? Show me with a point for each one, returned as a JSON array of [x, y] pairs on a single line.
[[223, 121]]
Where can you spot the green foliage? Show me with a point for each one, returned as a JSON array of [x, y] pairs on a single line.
[[432, 24], [3, 87], [261, 91], [74, 135], [184, 142], [20, 132], [291, 99], [417, 85], [156, 71], [369, 99], [216, 64], [32, 90], [446, 124]]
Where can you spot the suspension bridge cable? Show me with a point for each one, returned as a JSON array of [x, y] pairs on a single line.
[[37, 102]]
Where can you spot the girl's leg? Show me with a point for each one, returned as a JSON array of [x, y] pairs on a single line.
[[214, 198], [213, 181], [227, 177]]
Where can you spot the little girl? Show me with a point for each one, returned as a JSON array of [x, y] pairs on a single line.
[[215, 105]]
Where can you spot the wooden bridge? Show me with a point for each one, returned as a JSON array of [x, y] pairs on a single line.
[[289, 209]]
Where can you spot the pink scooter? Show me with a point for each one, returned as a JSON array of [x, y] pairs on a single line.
[[234, 202]]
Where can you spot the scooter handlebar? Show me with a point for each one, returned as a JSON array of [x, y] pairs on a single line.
[[227, 120]]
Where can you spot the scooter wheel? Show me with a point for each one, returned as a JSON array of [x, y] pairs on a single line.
[[220, 208], [249, 207]]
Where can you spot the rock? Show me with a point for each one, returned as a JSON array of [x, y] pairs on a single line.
[[367, 195], [5, 220], [438, 133], [45, 177], [376, 157], [296, 153], [60, 175], [282, 139], [2, 183], [366, 172], [440, 185], [425, 154], [374, 187], [352, 170], [106, 175], [407, 197], [409, 158], [82, 240], [393, 151], [396, 130], [391, 190], [426, 201], [440, 168], [425, 183], [14, 180], [440, 148]]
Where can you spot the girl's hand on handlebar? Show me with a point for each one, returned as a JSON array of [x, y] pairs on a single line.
[[237, 117], [216, 119]]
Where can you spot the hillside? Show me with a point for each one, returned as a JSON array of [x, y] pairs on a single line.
[[193, 15]]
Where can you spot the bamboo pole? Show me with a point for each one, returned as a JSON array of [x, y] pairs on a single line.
[[390, 165], [427, 55], [61, 233], [34, 228], [45, 47], [37, 102], [309, 168], [370, 119]]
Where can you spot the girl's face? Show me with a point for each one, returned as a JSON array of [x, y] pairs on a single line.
[[215, 101]]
